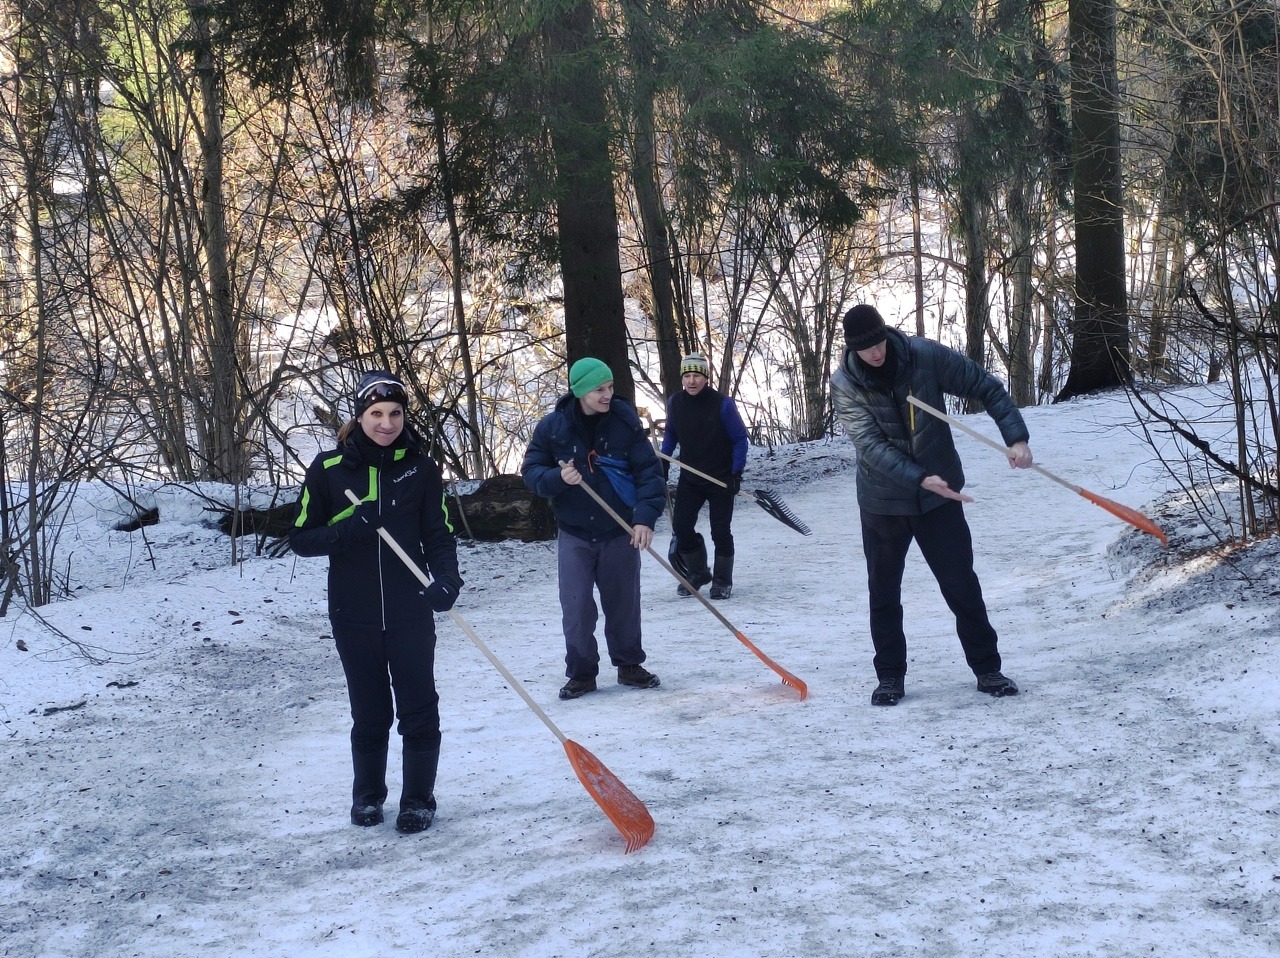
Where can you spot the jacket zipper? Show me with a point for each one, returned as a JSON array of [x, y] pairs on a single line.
[[382, 592]]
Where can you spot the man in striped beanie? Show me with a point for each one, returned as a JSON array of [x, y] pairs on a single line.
[[713, 441]]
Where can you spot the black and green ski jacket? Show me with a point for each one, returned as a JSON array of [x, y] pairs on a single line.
[[368, 583]]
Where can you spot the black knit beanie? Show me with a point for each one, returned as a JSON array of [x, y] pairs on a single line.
[[863, 327], [379, 386]]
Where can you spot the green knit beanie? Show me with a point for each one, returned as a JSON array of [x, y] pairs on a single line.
[[588, 374]]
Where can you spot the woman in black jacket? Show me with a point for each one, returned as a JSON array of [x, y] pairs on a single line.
[[380, 612]]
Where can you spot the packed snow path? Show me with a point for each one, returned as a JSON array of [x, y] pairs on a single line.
[[190, 795]]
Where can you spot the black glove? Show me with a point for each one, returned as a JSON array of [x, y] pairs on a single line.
[[441, 595], [360, 525], [735, 484]]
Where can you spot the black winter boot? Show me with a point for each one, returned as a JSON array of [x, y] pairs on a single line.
[[722, 581], [691, 563], [997, 684], [369, 789], [366, 815], [889, 692], [417, 794], [701, 575]]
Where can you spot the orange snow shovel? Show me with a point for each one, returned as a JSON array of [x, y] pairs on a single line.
[[628, 814], [1119, 510], [787, 678]]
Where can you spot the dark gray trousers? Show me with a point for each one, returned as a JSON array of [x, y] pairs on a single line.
[[613, 567], [690, 495]]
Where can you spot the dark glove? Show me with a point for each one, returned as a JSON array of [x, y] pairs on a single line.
[[360, 525], [441, 595], [735, 484]]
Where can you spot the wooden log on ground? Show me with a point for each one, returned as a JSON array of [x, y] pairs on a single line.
[[502, 507], [276, 521]]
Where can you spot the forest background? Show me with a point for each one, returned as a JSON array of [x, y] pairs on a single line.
[[215, 213]]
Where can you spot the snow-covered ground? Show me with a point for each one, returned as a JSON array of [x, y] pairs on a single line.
[[176, 764]]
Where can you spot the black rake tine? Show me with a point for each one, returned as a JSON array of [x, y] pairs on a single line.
[[771, 504]]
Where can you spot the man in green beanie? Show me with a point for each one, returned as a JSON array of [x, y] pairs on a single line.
[[595, 438]]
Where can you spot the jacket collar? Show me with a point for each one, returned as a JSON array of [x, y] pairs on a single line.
[[359, 449]]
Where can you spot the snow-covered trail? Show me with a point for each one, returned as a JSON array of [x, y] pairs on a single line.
[[1124, 804]]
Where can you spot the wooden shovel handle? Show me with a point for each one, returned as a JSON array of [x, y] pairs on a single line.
[[787, 678], [1130, 515], [718, 482], [951, 421], [465, 626]]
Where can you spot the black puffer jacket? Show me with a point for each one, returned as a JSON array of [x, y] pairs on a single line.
[[898, 444], [368, 583], [564, 435]]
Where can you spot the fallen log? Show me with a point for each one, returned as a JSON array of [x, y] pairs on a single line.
[[503, 507], [500, 508]]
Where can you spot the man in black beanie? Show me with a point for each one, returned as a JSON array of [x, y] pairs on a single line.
[[909, 482]]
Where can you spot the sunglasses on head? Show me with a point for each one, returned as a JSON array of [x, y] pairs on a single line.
[[382, 391]]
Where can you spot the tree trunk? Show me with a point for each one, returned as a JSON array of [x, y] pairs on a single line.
[[1048, 323], [28, 183], [653, 218], [1100, 340], [591, 269], [475, 455], [224, 461], [972, 228], [1170, 254], [1021, 378], [917, 252]]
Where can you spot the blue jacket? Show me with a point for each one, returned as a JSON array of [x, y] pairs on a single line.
[[368, 583], [898, 444], [564, 435]]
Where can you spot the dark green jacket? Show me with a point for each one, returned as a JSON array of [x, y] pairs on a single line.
[[898, 444]]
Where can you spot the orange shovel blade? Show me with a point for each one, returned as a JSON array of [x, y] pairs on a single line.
[[787, 678], [1131, 516], [627, 812]]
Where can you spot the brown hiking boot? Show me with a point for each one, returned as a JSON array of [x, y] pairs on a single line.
[[637, 676], [576, 688]]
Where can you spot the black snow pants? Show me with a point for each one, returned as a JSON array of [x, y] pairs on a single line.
[[391, 673], [947, 546]]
